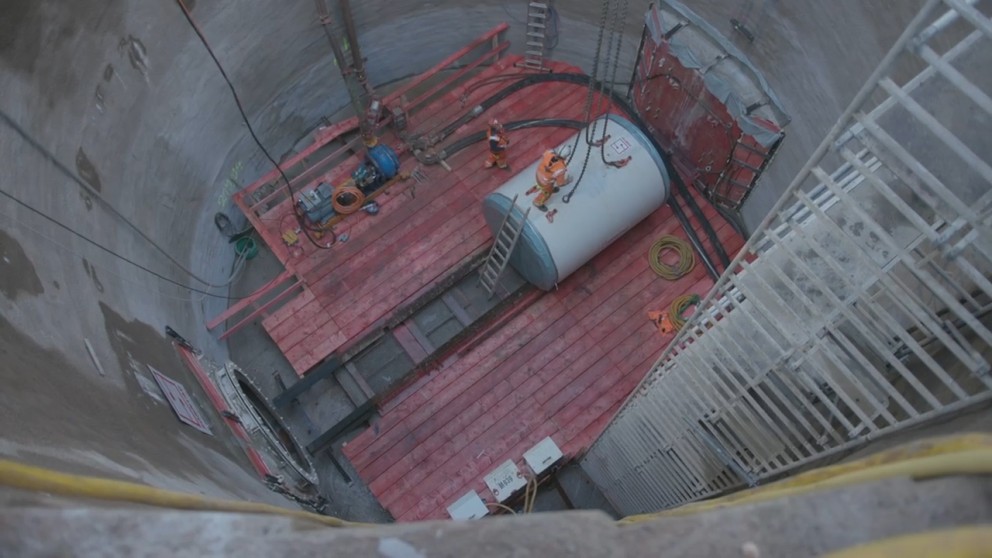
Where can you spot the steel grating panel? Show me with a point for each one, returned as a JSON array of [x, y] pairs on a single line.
[[859, 307]]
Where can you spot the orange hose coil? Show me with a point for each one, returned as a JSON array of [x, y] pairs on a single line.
[[349, 206]]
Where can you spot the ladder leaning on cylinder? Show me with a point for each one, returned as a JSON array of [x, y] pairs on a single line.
[[503, 244]]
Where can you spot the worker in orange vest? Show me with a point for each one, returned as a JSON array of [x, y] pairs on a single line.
[[552, 174], [497, 145]]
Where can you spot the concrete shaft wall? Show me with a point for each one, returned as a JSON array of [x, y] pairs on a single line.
[[124, 95]]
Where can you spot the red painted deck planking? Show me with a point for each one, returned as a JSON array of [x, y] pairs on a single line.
[[422, 232], [560, 368]]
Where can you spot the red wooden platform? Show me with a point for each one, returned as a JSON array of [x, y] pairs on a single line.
[[560, 368], [559, 365], [422, 232]]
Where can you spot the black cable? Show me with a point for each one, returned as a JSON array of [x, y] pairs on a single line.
[[251, 130], [51, 158], [693, 238], [515, 125], [628, 109], [707, 226], [108, 250]]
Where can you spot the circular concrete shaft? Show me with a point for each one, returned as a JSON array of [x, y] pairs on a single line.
[[123, 94]]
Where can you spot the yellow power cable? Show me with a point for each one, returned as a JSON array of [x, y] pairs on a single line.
[[687, 258], [502, 506], [530, 496], [678, 307], [969, 454], [960, 542], [26, 477]]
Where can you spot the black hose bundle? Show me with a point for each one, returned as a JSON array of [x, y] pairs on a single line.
[[679, 189]]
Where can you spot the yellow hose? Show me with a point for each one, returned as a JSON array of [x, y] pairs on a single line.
[[961, 542], [687, 258], [678, 307], [969, 454], [957, 455], [501, 506], [26, 477]]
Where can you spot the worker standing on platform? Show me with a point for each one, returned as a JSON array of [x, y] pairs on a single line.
[[497, 145], [552, 174]]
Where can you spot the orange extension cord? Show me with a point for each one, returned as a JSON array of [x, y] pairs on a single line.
[[357, 198]]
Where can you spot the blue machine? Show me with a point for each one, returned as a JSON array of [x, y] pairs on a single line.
[[381, 165]]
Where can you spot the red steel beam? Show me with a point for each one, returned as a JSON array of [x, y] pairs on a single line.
[[193, 364], [248, 300], [324, 137], [488, 36], [494, 53], [251, 316]]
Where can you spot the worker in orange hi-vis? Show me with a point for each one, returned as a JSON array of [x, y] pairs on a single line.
[[497, 145], [552, 174]]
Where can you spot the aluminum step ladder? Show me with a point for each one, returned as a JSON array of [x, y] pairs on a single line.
[[503, 244], [537, 20]]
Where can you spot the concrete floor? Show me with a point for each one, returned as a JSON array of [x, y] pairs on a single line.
[[124, 97]]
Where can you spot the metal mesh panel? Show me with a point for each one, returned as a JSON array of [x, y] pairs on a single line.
[[859, 307]]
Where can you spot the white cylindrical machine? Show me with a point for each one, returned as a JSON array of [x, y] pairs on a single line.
[[609, 201]]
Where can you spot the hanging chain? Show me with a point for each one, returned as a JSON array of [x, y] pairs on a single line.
[[621, 17], [587, 110], [590, 131]]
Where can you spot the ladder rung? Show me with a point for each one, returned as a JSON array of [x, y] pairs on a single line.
[[745, 165], [751, 148], [535, 44], [535, 14], [535, 52], [541, 5], [536, 25], [536, 34], [509, 233]]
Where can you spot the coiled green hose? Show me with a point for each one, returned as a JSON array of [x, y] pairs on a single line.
[[687, 258]]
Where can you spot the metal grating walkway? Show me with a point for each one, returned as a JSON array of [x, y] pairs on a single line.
[[860, 306]]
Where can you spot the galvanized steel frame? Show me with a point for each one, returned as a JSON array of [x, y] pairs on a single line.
[[857, 309]]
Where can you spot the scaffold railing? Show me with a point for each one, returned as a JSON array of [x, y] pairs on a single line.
[[859, 307]]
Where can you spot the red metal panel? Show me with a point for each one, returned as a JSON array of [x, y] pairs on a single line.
[[696, 127], [193, 364]]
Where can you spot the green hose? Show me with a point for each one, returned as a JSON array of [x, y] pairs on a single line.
[[676, 312], [687, 259]]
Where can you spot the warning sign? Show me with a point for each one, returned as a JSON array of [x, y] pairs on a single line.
[[181, 402], [620, 146]]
